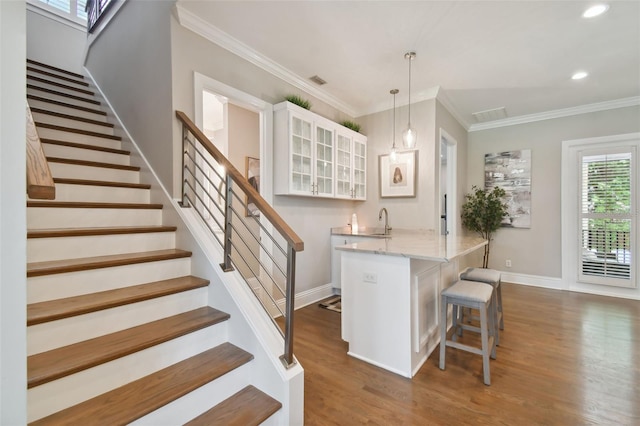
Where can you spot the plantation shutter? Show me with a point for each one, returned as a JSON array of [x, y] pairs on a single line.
[[606, 217]]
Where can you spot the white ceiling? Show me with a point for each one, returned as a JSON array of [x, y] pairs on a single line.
[[481, 55]]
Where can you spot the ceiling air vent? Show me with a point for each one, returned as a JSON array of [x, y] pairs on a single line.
[[490, 115], [317, 80]]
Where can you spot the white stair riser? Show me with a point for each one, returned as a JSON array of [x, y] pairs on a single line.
[[71, 390], [75, 171], [61, 78], [58, 286], [46, 249], [37, 92], [62, 151], [62, 135], [53, 217], [200, 400], [67, 122], [55, 334], [66, 110], [100, 194], [51, 86]]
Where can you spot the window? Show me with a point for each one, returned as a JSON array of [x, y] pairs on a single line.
[[605, 216], [73, 10], [600, 208]]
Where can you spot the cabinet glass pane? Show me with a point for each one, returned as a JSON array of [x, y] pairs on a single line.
[[306, 147], [297, 144], [296, 126], [306, 130]]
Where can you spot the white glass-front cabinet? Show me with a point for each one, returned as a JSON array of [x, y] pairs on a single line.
[[316, 157], [351, 166]]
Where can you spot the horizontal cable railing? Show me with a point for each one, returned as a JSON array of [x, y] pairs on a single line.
[[255, 240], [96, 11]]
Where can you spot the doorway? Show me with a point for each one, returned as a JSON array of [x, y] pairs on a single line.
[[448, 214]]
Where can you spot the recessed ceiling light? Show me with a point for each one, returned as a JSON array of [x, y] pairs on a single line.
[[596, 10], [579, 75]]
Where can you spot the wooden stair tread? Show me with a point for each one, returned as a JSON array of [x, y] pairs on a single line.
[[38, 313], [61, 85], [101, 183], [84, 146], [58, 76], [35, 269], [64, 104], [136, 399], [93, 205], [249, 407], [78, 131], [71, 117], [61, 362], [92, 164], [51, 67], [63, 94], [85, 232]]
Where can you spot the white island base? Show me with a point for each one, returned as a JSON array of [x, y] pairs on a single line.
[[387, 322], [391, 297]]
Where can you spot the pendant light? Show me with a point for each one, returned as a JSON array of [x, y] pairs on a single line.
[[393, 156], [409, 136]]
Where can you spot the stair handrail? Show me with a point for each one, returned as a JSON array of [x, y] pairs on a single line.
[[40, 184], [233, 177]]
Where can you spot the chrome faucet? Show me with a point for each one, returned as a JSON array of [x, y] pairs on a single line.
[[387, 228]]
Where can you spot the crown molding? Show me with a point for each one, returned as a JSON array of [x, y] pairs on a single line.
[[558, 113], [215, 35], [448, 104]]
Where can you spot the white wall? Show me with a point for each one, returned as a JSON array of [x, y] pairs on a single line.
[[418, 212], [131, 62], [537, 251], [13, 242], [53, 42]]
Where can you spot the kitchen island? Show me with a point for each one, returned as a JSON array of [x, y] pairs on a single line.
[[391, 295]]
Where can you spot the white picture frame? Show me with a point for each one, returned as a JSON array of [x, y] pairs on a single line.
[[397, 179]]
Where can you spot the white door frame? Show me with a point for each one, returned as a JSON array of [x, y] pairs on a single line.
[[452, 181], [569, 211]]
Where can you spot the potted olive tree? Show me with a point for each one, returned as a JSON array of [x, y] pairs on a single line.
[[482, 212]]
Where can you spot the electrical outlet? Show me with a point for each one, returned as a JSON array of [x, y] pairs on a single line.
[[370, 277], [508, 263]]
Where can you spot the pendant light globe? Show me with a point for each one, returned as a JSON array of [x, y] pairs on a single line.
[[409, 135]]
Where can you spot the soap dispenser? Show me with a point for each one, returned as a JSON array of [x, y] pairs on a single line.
[[354, 223]]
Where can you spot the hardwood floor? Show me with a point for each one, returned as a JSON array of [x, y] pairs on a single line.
[[564, 359]]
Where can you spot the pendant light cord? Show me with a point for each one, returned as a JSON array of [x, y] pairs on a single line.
[[410, 60]]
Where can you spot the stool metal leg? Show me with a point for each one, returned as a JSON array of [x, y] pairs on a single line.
[[499, 306]]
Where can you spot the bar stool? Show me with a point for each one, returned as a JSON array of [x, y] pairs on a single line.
[[488, 276], [474, 295]]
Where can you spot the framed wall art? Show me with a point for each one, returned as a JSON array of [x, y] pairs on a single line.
[[511, 171], [398, 178]]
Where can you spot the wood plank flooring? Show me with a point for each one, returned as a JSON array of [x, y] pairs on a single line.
[[564, 359]]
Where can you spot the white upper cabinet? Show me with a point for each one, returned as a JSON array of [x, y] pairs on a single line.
[[316, 157], [351, 165]]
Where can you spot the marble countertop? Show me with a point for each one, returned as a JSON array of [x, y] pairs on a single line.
[[415, 244]]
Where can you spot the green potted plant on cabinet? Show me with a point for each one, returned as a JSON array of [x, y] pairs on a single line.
[[482, 212]]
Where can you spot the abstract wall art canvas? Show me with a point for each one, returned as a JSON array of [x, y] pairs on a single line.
[[511, 171]]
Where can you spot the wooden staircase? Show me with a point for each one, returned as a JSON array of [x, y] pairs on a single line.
[[117, 327]]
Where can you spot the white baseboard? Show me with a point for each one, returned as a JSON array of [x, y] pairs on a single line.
[[309, 297], [533, 280], [559, 284]]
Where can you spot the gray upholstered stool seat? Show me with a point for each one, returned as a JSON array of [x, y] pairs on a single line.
[[474, 295], [489, 276]]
